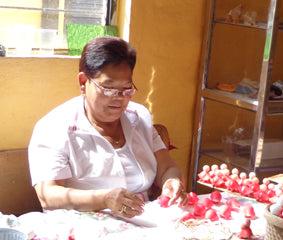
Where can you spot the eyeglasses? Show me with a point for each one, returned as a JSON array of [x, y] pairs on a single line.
[[112, 92]]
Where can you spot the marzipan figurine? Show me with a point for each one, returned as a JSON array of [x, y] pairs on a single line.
[[234, 15]]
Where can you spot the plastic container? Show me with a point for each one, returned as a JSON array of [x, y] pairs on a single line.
[[46, 41], [18, 39], [12, 234]]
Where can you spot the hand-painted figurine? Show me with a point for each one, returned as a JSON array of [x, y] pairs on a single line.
[[234, 15]]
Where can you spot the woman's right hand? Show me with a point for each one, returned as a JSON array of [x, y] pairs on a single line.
[[124, 203]]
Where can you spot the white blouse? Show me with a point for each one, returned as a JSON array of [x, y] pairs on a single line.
[[134, 177], [64, 145]]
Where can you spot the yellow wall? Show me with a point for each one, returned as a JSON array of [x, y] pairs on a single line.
[[167, 36], [30, 87]]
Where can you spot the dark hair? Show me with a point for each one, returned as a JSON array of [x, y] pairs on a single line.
[[102, 51]]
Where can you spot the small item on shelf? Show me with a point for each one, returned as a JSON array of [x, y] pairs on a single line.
[[234, 15], [278, 178], [248, 87], [250, 18], [271, 149], [233, 185], [227, 87], [276, 90]]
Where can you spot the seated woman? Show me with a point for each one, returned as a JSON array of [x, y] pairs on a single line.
[[100, 150]]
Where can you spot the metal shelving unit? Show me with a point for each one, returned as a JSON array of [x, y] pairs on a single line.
[[231, 127]]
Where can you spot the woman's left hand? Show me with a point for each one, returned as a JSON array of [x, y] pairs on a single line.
[[175, 189]]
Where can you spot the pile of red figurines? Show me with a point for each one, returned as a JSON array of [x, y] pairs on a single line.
[[246, 185], [213, 208], [204, 209]]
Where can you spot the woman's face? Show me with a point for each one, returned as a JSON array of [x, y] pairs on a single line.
[[105, 109]]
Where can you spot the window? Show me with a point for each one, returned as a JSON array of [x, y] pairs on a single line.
[[25, 24]]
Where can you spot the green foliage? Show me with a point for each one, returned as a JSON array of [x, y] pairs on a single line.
[[79, 35]]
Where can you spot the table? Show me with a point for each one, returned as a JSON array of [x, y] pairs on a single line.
[[155, 223]]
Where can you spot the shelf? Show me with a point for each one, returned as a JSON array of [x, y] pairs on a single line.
[[235, 99], [243, 161], [237, 161], [259, 25], [227, 120], [226, 190], [275, 107], [278, 178]]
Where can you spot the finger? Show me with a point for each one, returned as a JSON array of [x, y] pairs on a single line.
[[134, 202], [173, 200], [180, 197], [133, 206], [129, 212], [134, 197], [175, 197], [183, 202], [184, 198]]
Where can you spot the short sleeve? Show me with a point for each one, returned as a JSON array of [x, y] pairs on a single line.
[[48, 159], [158, 144]]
